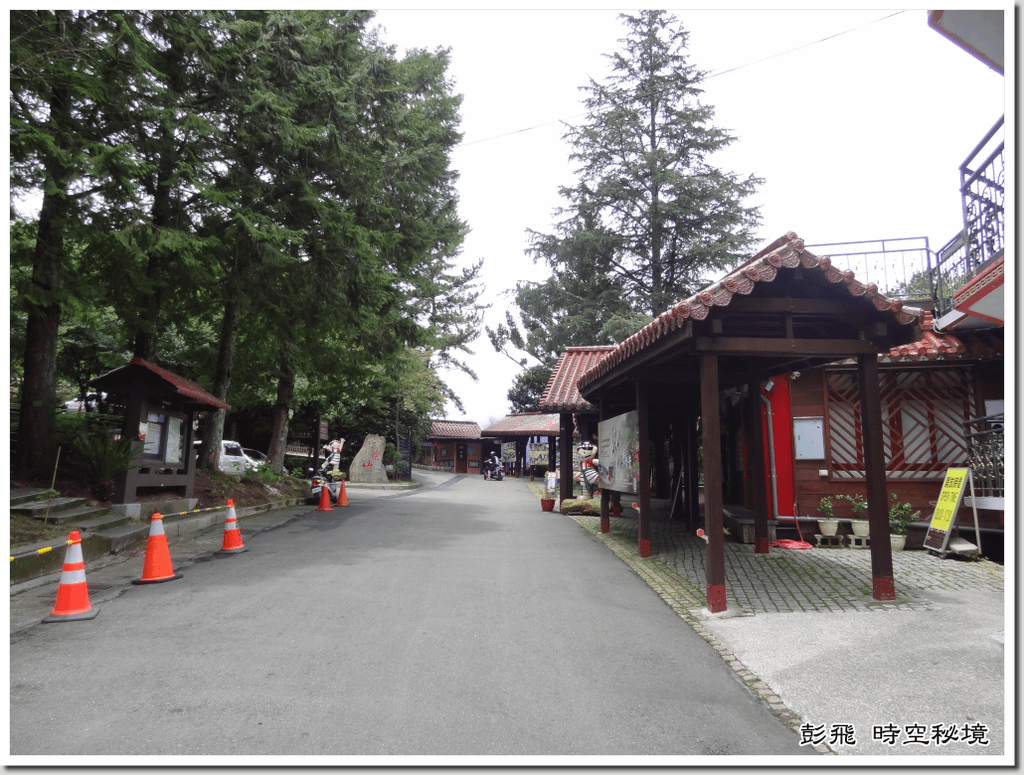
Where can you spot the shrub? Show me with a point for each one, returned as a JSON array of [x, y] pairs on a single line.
[[901, 514], [99, 460]]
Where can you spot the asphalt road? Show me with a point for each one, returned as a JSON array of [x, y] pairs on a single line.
[[457, 621]]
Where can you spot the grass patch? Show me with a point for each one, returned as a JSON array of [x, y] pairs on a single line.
[[29, 530]]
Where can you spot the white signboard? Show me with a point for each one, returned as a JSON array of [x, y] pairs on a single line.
[[618, 453]]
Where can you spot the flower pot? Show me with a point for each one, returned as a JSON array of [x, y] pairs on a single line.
[[898, 542], [547, 504], [828, 527], [860, 527]]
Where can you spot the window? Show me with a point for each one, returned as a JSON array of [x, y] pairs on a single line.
[[923, 412]]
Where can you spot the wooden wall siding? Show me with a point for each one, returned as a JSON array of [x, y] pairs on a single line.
[[923, 413]]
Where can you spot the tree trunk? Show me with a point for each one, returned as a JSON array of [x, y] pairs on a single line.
[[213, 434], [37, 416], [285, 392]]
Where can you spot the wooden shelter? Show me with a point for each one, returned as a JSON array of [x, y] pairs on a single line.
[[576, 415], [159, 419], [521, 428], [455, 445], [784, 311]]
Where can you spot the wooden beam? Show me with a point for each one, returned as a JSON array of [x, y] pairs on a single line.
[[883, 585], [565, 488], [664, 345], [752, 345], [711, 441], [828, 307], [644, 463]]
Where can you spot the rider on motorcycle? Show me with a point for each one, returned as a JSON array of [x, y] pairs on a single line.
[[491, 465]]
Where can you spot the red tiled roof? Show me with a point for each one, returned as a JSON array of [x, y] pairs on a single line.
[[526, 424], [454, 429], [561, 393], [175, 382], [936, 346], [931, 347], [786, 252]]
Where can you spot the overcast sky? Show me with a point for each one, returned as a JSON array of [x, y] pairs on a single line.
[[857, 121]]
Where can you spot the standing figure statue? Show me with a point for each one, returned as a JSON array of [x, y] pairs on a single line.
[[587, 452], [332, 454]]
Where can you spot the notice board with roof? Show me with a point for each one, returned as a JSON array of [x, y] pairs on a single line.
[[159, 418]]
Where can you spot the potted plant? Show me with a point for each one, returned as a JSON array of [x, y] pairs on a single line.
[[901, 514], [547, 502], [829, 525], [859, 525]]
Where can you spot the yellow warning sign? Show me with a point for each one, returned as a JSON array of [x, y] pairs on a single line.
[[946, 508]]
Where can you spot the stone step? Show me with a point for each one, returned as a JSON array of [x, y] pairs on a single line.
[[38, 509], [126, 536], [107, 519], [74, 516], [23, 494]]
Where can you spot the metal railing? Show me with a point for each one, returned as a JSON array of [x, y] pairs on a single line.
[[983, 236], [985, 453], [901, 267]]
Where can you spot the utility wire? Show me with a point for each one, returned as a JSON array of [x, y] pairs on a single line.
[[706, 78]]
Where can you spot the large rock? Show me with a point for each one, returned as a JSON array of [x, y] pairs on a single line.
[[368, 464]]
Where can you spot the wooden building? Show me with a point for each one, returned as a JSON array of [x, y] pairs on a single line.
[[930, 391], [785, 310], [520, 430], [454, 445], [577, 417]]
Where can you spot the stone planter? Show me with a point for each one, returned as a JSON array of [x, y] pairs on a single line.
[[828, 527], [860, 527], [898, 542], [547, 504]]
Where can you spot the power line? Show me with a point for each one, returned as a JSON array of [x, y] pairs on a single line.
[[708, 77]]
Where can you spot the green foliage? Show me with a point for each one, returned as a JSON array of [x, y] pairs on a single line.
[[825, 507], [70, 425], [100, 459], [264, 474], [857, 501], [528, 388], [47, 495], [901, 514], [273, 191], [650, 221]]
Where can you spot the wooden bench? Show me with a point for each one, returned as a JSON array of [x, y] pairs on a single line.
[[740, 522]]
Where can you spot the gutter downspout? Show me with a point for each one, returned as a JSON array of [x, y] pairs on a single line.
[[771, 456]]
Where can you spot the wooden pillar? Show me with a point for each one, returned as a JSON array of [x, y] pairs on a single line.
[[711, 436], [691, 463], [606, 525], [644, 464], [757, 473], [565, 489], [883, 585]]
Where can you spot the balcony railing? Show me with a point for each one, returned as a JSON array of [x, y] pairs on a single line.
[[983, 236], [900, 267], [985, 452]]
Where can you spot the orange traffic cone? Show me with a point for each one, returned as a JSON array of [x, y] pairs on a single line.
[[232, 535], [73, 593], [325, 499], [342, 497], [157, 565]]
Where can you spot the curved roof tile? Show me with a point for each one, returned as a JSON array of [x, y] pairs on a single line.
[[786, 252]]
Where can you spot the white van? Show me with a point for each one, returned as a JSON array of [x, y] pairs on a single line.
[[232, 459]]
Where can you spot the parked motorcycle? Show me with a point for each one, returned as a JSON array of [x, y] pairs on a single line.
[[322, 479]]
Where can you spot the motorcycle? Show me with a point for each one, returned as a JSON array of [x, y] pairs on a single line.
[[322, 479], [497, 472]]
